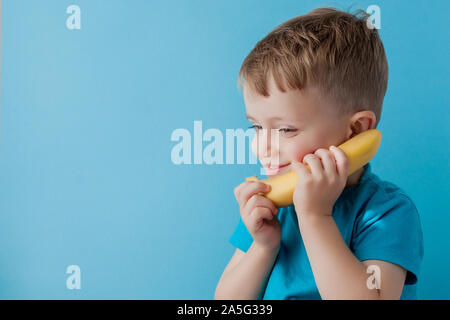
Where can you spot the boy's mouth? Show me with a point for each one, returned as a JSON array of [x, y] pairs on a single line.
[[274, 170]]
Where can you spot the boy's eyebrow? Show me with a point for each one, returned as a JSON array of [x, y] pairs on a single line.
[[274, 118]]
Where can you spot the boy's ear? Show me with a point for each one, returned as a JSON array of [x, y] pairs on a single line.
[[361, 121]]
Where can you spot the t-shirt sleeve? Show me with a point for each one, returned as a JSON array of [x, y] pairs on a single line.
[[241, 238], [389, 229]]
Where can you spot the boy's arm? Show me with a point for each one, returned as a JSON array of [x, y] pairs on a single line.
[[337, 272], [246, 274]]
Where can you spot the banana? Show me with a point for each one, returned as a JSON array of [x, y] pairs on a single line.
[[360, 150]]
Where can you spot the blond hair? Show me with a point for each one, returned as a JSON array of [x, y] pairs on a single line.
[[334, 50]]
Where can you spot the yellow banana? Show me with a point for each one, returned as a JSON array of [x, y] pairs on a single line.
[[360, 150]]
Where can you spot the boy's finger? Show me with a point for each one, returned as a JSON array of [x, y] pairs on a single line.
[[315, 164], [328, 161], [238, 189], [342, 161], [260, 213], [250, 189], [300, 168], [260, 201]]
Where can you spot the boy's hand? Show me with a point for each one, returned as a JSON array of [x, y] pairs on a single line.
[[317, 191], [258, 214]]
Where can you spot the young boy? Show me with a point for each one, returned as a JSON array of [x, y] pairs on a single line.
[[319, 79]]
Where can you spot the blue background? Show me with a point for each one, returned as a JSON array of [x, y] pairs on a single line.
[[86, 117]]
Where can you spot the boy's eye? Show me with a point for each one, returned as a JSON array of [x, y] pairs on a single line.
[[256, 127], [285, 130]]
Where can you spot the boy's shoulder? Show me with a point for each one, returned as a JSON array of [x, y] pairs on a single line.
[[375, 196]]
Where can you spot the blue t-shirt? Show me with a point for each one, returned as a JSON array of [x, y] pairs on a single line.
[[377, 221]]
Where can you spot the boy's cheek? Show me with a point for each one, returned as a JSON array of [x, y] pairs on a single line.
[[298, 154], [254, 145]]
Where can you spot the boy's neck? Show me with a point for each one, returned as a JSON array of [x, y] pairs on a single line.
[[354, 178]]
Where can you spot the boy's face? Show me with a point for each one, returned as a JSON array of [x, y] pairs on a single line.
[[305, 122]]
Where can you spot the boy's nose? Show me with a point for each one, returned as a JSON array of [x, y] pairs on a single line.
[[269, 143]]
